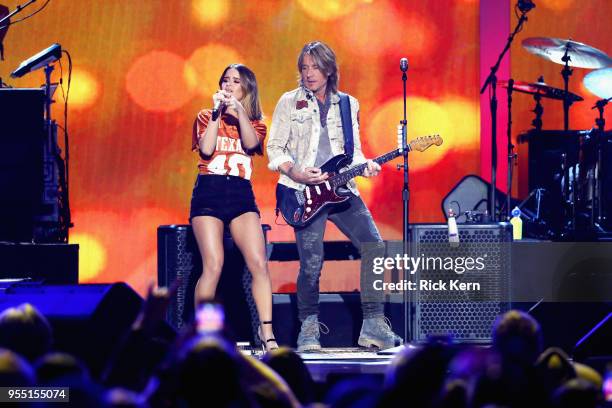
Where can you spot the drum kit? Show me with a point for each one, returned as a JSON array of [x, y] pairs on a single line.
[[584, 166]]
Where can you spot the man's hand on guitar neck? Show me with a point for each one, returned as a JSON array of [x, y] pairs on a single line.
[[372, 170], [310, 175]]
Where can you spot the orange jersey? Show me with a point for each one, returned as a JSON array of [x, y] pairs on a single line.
[[229, 156]]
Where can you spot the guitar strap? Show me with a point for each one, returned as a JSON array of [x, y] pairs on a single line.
[[347, 124]]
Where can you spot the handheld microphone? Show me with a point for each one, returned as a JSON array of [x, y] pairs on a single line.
[[404, 64], [216, 109], [217, 105]]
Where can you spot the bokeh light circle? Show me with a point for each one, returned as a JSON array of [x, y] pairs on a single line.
[[84, 89], [327, 10], [425, 117], [92, 256], [557, 5], [365, 186], [464, 118], [374, 31], [205, 65], [156, 82], [210, 12]]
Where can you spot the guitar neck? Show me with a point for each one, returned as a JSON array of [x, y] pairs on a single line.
[[346, 176]]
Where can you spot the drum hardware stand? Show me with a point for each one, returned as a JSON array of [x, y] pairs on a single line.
[[538, 110], [597, 216], [569, 209], [538, 193], [566, 72], [535, 218], [491, 82], [511, 155]]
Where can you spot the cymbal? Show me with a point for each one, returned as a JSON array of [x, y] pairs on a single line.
[[599, 82], [542, 89], [581, 55]]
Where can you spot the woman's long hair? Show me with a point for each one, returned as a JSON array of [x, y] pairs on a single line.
[[248, 82]]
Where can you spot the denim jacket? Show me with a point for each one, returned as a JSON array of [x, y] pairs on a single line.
[[295, 130]]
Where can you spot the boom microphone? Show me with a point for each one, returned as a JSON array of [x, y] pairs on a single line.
[[45, 57], [525, 5]]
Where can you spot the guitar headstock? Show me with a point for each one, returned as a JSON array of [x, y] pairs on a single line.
[[425, 142]]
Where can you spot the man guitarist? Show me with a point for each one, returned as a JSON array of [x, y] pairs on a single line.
[[307, 130]]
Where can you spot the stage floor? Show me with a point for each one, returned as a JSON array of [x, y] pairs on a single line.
[[345, 361], [342, 361]]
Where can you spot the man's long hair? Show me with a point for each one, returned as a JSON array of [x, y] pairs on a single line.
[[248, 82], [325, 58]]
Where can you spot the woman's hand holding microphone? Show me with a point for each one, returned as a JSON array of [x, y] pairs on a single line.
[[223, 98]]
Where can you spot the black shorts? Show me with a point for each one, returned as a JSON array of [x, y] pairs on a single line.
[[222, 197]]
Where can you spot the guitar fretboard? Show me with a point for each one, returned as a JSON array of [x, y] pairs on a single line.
[[344, 177]]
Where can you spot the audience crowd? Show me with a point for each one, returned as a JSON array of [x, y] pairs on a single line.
[[207, 370]]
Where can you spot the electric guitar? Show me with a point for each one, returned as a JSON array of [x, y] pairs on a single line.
[[300, 207]]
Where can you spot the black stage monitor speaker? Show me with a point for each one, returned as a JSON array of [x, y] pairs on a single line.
[[88, 320], [178, 258], [467, 316], [49, 263], [21, 161], [470, 194]]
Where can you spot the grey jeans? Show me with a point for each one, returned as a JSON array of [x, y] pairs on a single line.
[[354, 220]]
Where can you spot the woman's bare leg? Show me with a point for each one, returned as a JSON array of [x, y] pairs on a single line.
[[248, 236], [208, 232]]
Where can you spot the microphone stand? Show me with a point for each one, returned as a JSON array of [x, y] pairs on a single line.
[[405, 202], [7, 18], [51, 148], [12, 13], [492, 82]]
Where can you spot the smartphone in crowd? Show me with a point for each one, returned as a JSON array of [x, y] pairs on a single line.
[[607, 385], [210, 318]]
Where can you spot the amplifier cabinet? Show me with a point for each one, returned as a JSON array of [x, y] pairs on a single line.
[[467, 315]]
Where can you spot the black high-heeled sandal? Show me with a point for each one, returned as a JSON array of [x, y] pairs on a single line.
[[266, 341]]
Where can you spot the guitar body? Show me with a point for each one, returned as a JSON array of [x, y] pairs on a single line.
[[299, 208]]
